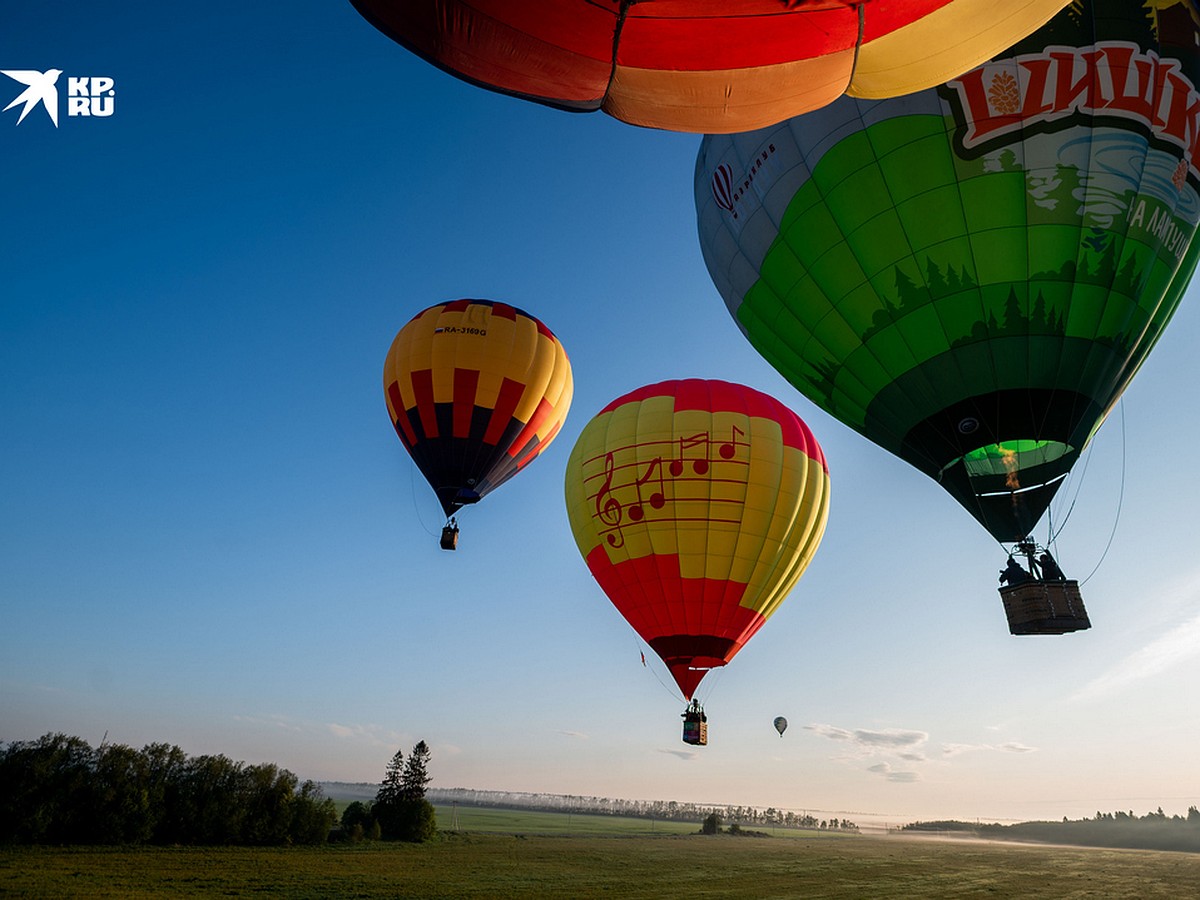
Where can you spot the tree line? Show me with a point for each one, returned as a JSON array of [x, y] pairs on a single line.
[[1153, 831], [60, 790]]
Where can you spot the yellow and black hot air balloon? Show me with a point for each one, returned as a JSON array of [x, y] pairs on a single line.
[[476, 389]]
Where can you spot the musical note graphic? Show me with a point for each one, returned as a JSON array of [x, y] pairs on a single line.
[[608, 507], [661, 488], [729, 449], [658, 499], [699, 466]]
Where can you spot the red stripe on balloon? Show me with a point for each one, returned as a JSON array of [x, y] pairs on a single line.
[[466, 382], [403, 426], [544, 410], [422, 382], [724, 396], [506, 404]]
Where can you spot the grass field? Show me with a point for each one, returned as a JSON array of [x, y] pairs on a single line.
[[536, 862]]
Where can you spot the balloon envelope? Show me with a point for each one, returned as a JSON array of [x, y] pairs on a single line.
[[697, 505], [476, 390], [970, 276], [704, 65], [780, 725]]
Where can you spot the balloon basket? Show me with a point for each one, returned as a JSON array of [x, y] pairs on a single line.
[[449, 538], [1044, 607], [695, 733]]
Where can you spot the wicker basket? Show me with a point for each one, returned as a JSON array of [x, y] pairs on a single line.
[[695, 732], [1044, 607]]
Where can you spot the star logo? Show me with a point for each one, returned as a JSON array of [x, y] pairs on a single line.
[[39, 88]]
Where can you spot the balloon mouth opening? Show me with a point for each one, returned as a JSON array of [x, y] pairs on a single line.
[[1007, 460]]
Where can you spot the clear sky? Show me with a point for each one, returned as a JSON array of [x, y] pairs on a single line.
[[210, 535]]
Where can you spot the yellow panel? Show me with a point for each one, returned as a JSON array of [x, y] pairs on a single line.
[[944, 44]]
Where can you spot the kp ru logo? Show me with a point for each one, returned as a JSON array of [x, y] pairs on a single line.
[[86, 95]]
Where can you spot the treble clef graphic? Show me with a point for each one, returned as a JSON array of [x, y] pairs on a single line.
[[608, 507]]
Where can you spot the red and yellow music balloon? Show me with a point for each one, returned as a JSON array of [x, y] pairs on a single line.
[[697, 505]]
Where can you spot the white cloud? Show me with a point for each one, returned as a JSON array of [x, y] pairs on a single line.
[[959, 749], [899, 777], [1179, 644], [870, 740], [831, 732], [270, 721], [371, 735], [1007, 747], [890, 749], [1014, 747], [890, 737], [575, 734]]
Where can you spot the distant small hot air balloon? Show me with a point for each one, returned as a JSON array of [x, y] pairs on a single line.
[[705, 65], [476, 389], [970, 275], [780, 725], [697, 505]]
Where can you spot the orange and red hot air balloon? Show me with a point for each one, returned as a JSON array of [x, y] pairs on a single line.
[[476, 390], [715, 66], [697, 505]]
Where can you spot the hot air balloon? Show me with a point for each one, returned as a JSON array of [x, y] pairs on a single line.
[[970, 276], [697, 505], [705, 65], [476, 389], [780, 725]]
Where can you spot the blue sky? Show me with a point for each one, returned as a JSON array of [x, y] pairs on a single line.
[[210, 535]]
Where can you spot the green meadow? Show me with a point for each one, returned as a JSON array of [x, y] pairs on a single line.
[[524, 854]]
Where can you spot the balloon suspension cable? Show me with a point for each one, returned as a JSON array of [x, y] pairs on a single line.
[[1078, 489], [711, 688], [673, 691], [1120, 502], [412, 483]]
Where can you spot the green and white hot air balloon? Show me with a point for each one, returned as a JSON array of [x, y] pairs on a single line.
[[969, 276]]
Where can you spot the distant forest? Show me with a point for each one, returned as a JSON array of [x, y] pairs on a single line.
[[662, 810], [1153, 831]]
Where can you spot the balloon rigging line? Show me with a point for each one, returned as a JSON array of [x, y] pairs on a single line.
[[1120, 501], [1055, 532], [654, 672], [412, 483], [713, 681]]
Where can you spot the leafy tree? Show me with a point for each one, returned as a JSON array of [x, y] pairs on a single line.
[[312, 817], [358, 822], [417, 821], [59, 790], [122, 812], [711, 825]]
